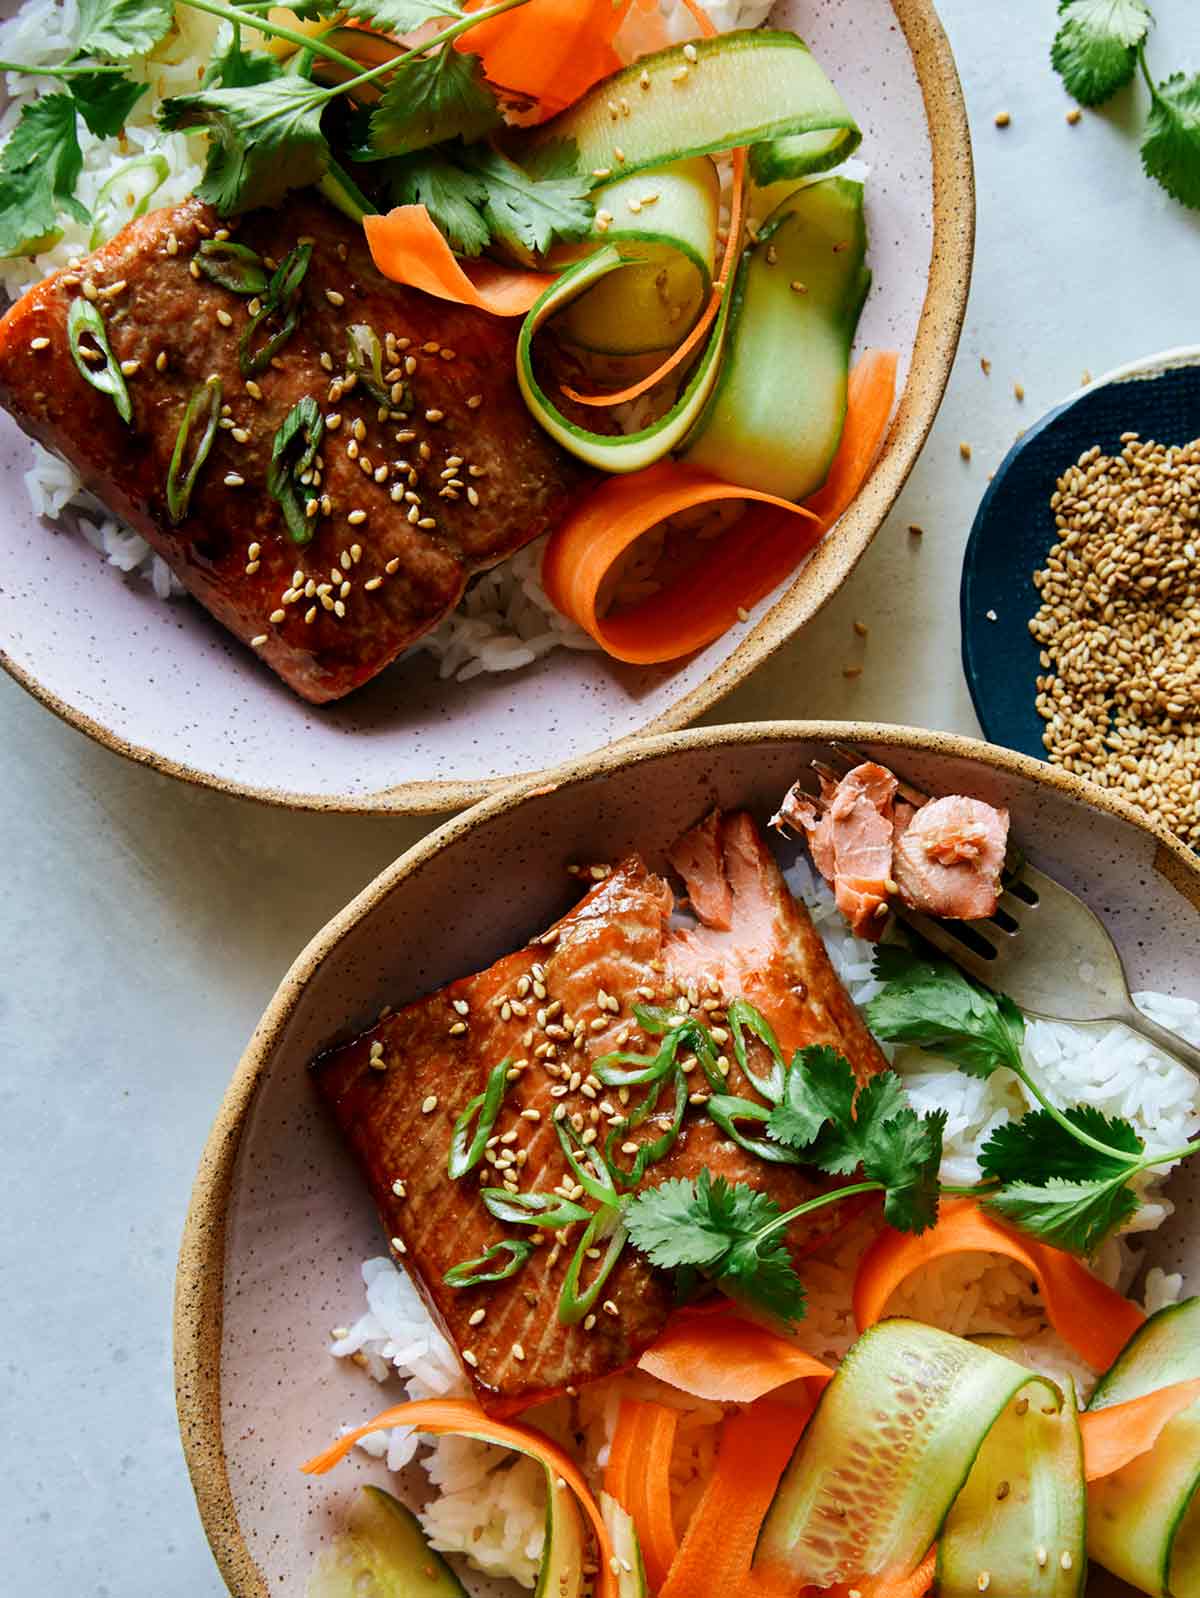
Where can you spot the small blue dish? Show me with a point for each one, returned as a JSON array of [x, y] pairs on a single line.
[[1013, 531]]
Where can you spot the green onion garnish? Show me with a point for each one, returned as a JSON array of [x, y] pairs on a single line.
[[547, 1211], [574, 1303], [727, 1111], [364, 357], [470, 1273], [466, 1150], [156, 165], [234, 266], [85, 321], [281, 301], [652, 1149], [745, 1015], [179, 487], [293, 455], [586, 1164]]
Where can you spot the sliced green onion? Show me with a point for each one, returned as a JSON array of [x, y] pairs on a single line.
[[545, 1210], [179, 487], [743, 1015], [727, 1110], [234, 266], [470, 1273], [155, 164], [304, 426], [280, 301], [573, 1304], [84, 320], [596, 1182], [647, 1067], [364, 357], [466, 1148], [654, 1019], [653, 1149]]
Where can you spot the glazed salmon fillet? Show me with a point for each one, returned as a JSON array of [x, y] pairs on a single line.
[[409, 499], [552, 1009]]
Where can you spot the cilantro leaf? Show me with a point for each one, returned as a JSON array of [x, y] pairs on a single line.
[[528, 213], [400, 16], [684, 1222], [717, 1227], [1038, 1149], [263, 140], [1171, 147], [236, 68], [39, 166], [1095, 48], [762, 1276], [932, 1003], [819, 1088], [104, 98], [904, 1152], [843, 1146], [434, 98], [453, 197], [1076, 1216], [119, 29]]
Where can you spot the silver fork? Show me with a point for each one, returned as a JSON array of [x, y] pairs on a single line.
[[1039, 936]]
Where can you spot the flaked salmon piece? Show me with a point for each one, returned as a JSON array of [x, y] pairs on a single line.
[[850, 837], [770, 954], [949, 857], [553, 1008], [696, 856]]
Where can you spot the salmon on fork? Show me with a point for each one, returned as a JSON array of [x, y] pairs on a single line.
[[551, 1010]]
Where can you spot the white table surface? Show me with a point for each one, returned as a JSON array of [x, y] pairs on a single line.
[[146, 923]]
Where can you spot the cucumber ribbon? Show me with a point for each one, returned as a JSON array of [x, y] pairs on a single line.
[[923, 1437]]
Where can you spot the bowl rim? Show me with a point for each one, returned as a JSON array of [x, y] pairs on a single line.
[[1143, 368], [934, 349], [199, 1283]]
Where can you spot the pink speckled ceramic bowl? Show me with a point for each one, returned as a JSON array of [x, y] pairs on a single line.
[[162, 683], [280, 1220]]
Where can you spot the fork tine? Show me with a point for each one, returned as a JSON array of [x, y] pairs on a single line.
[[845, 757], [942, 939]]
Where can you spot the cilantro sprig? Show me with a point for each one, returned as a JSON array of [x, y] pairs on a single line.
[[1099, 46], [1065, 1177]]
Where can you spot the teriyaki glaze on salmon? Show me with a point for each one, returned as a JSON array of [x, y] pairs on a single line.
[[412, 1093]]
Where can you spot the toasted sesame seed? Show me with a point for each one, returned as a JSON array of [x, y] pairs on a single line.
[[618, 154], [518, 1352], [1065, 1559], [469, 1358], [434, 415], [458, 1028], [1002, 119], [429, 1105], [474, 401], [983, 1580], [964, 449], [160, 361], [1018, 391], [679, 75], [234, 480], [258, 640], [252, 388], [1042, 1557], [334, 297], [277, 616], [1074, 115]]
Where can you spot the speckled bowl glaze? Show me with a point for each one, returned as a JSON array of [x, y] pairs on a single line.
[[280, 1222], [164, 684]]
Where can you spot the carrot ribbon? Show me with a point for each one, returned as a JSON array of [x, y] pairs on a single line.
[[550, 51], [728, 1360], [717, 1550], [1114, 1437], [638, 1476], [464, 1418], [742, 566], [407, 247], [1094, 1319]]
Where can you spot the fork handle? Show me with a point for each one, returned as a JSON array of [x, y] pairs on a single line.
[[1169, 1042]]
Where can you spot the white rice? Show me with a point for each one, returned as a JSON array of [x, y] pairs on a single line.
[[490, 1509], [505, 621]]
